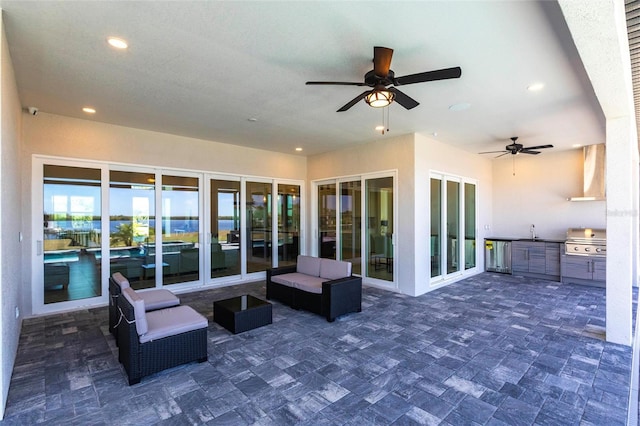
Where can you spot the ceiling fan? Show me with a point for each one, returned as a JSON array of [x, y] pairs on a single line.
[[517, 148], [382, 80]]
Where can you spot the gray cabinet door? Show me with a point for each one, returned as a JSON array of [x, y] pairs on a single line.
[[552, 254], [537, 258], [519, 257], [599, 269], [577, 267]]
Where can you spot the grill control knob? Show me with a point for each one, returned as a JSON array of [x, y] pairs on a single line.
[[576, 249], [587, 249], [598, 249]]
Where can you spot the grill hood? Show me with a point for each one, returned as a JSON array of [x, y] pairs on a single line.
[[594, 174]]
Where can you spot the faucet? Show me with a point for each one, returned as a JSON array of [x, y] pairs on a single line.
[[533, 232]]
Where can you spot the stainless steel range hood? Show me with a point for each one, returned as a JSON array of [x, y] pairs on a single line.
[[594, 174]]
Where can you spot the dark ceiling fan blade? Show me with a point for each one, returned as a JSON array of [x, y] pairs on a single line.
[[339, 83], [382, 60], [354, 101], [403, 99], [527, 151], [422, 77], [492, 152], [538, 147], [501, 155]]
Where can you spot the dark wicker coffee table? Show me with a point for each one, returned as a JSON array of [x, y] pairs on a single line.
[[242, 313]]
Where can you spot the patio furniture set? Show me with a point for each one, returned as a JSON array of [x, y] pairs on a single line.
[[154, 332]]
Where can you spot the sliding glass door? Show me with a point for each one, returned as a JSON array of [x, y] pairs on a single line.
[[225, 227], [132, 227], [327, 220], [351, 224], [355, 219], [258, 235], [453, 240], [179, 258], [288, 224], [70, 246], [160, 228], [380, 225]]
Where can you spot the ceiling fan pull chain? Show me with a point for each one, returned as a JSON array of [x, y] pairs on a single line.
[[513, 157], [388, 118]]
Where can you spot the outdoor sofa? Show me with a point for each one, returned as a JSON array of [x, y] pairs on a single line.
[[322, 286]]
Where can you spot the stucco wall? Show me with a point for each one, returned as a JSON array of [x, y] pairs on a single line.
[[538, 193], [11, 278]]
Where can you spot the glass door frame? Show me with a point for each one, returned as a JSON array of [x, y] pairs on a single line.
[[37, 236], [444, 178], [393, 284], [207, 231], [364, 244], [160, 214]]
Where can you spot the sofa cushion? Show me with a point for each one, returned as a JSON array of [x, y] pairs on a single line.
[[158, 299], [138, 309], [333, 269], [308, 265], [172, 321], [119, 279], [285, 279], [309, 284]]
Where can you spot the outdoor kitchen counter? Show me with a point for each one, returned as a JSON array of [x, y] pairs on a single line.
[[541, 240]]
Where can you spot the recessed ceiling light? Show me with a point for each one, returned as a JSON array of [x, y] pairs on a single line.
[[460, 107], [535, 87], [118, 43], [298, 149], [379, 128], [576, 145], [252, 119], [89, 110]]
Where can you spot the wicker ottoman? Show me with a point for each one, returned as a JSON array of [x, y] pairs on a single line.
[[242, 313]]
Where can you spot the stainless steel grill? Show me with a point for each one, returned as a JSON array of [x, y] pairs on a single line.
[[586, 242]]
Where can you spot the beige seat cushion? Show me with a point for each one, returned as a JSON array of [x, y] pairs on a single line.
[[172, 321]]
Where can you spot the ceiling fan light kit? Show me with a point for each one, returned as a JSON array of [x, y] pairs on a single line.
[[380, 97], [383, 82]]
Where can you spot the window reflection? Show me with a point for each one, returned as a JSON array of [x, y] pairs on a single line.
[[71, 225], [288, 224], [225, 228], [180, 230], [258, 226], [132, 227]]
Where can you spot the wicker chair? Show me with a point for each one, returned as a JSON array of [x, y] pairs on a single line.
[[154, 341], [153, 300]]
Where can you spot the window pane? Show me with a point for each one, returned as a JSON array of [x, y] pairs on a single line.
[[379, 203], [72, 220], [327, 220], [288, 224], [180, 230], [132, 227], [258, 226], [469, 225], [350, 224], [453, 225], [436, 226], [225, 228]]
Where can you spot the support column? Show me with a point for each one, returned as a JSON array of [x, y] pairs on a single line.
[[622, 217]]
